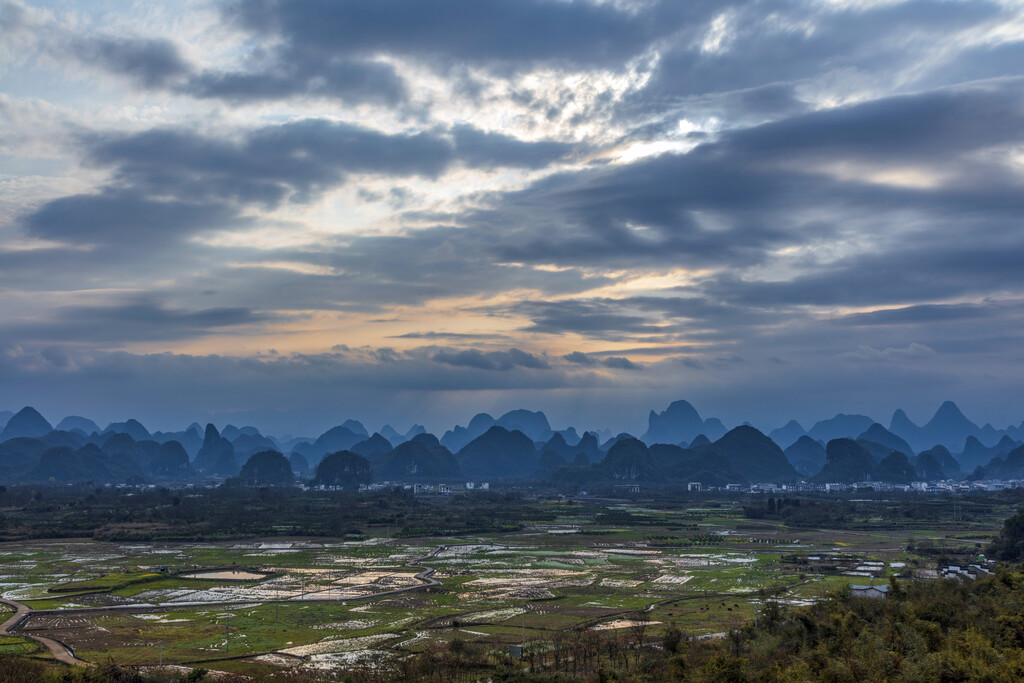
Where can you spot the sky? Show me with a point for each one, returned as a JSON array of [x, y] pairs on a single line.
[[294, 212]]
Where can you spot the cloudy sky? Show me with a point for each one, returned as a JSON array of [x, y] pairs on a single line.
[[292, 212]]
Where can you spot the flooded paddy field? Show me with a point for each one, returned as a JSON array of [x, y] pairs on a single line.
[[322, 605]]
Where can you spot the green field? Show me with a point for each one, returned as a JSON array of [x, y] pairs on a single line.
[[317, 604]]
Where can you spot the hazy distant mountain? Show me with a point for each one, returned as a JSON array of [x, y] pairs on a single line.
[[680, 423], [89, 463], [989, 434], [700, 440], [374, 446], [59, 437], [753, 454], [556, 443], [267, 468], [878, 451], [895, 468], [392, 435], [927, 467], [122, 445], [18, 456], [714, 428], [629, 460], [231, 432], [170, 461], [300, 466], [846, 461], [903, 427], [788, 434], [456, 438], [421, 457], [1016, 433], [64, 465], [395, 437], [134, 428], [948, 427], [336, 439], [83, 424], [589, 447], [533, 424], [27, 422], [191, 439], [681, 465], [356, 427], [975, 454], [217, 456], [570, 435], [344, 469], [548, 463], [949, 468], [247, 444], [498, 452], [607, 445], [5, 415], [1009, 467], [876, 433], [840, 427], [806, 455]]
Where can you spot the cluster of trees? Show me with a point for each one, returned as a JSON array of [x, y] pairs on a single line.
[[941, 630], [233, 512]]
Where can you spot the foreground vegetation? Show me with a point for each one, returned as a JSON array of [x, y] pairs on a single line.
[[667, 587], [926, 631]]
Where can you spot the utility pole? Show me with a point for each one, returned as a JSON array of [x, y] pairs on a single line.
[[227, 635]]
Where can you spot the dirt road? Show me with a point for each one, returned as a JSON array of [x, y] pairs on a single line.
[[59, 650], [64, 654]]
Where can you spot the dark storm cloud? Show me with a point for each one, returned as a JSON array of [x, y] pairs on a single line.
[[798, 42], [301, 75], [491, 360], [655, 319], [733, 202], [923, 313], [300, 160], [646, 211], [296, 161], [890, 277], [176, 183], [153, 63], [478, 149], [331, 49], [922, 127], [141, 320], [515, 32], [591, 318], [126, 215], [613, 362]]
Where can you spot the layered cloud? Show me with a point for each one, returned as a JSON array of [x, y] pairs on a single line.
[[561, 201]]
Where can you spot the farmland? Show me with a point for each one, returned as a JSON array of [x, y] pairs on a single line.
[[318, 605]]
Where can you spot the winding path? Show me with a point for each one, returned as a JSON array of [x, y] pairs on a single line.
[[63, 653], [60, 651]]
